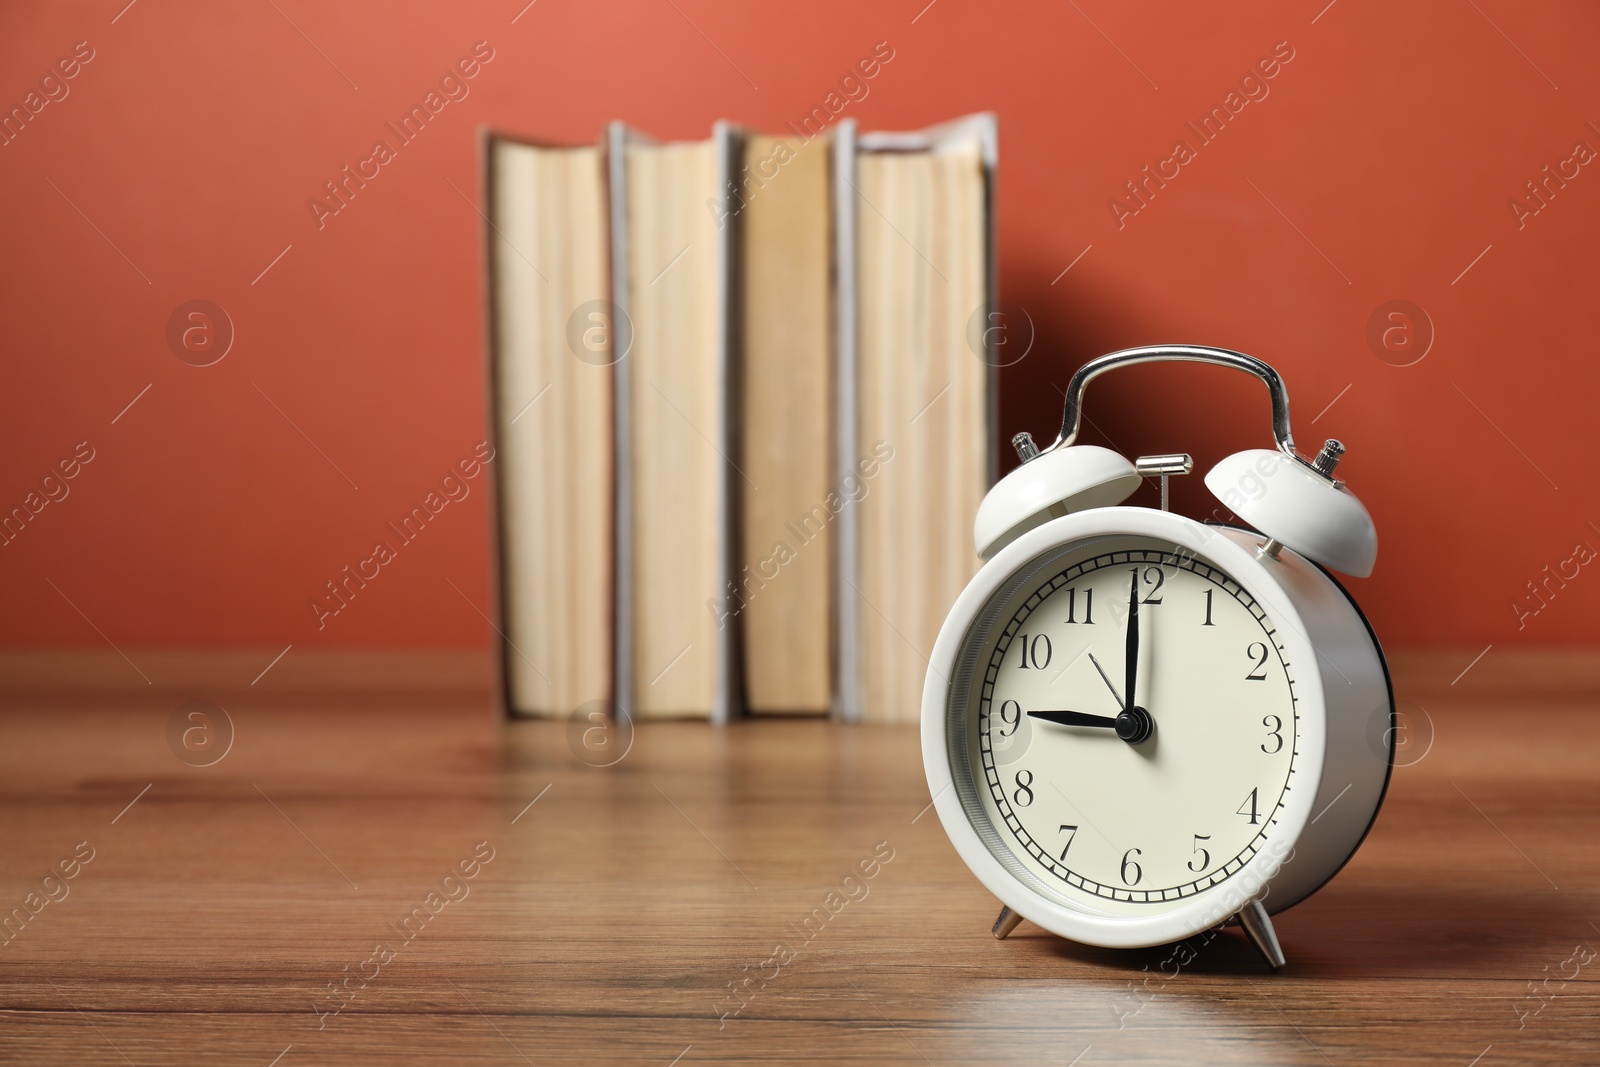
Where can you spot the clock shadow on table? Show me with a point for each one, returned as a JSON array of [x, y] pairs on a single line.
[[1364, 929], [1225, 952]]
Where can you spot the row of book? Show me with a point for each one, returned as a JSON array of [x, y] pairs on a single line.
[[742, 395]]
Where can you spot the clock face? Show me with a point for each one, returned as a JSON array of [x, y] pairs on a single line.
[[1078, 804]]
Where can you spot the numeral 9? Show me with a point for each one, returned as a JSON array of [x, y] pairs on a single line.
[[1010, 715]]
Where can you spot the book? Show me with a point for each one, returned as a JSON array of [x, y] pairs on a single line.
[[915, 418], [546, 243], [784, 595], [743, 414], [676, 434]]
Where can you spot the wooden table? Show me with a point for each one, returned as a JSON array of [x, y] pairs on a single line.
[[224, 904]]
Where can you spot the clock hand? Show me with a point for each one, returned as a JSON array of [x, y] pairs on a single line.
[[1132, 726], [1132, 648], [1074, 718], [1107, 679]]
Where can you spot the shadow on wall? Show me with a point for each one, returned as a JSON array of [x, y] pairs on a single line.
[[1204, 411]]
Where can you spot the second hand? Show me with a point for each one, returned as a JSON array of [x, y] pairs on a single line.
[[1107, 679]]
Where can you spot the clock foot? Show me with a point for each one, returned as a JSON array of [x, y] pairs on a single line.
[[1258, 928], [1007, 922]]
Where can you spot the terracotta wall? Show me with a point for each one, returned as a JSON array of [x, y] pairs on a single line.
[[1369, 154]]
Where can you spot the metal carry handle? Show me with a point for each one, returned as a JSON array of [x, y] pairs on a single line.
[[1072, 417]]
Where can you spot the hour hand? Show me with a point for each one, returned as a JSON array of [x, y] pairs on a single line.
[[1075, 718], [1133, 726]]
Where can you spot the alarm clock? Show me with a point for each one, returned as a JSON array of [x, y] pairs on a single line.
[[1137, 726]]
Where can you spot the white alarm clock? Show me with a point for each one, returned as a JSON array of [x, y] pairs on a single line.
[[1138, 727]]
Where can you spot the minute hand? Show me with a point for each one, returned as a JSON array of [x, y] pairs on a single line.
[[1132, 652]]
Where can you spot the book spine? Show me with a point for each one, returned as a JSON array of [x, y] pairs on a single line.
[[728, 699], [846, 601], [988, 129], [622, 694], [488, 197]]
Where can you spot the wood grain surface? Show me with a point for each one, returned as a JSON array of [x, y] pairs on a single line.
[[224, 904]]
